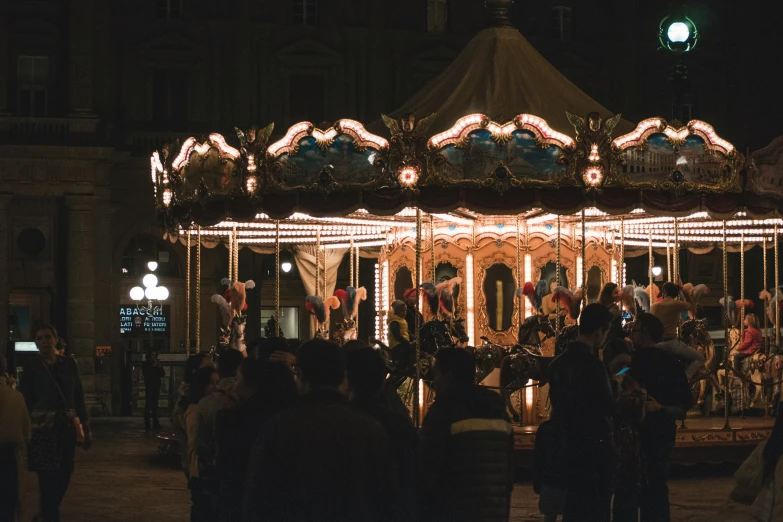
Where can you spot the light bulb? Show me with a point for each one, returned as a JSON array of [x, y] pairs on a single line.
[[162, 294], [656, 271], [151, 293], [137, 293], [286, 266], [152, 265], [678, 32], [150, 281]]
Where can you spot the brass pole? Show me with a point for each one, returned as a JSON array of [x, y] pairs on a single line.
[[230, 248], [416, 385], [557, 271], [727, 325], [277, 278], [236, 255], [187, 298], [777, 289], [584, 258], [317, 261], [351, 260], [198, 291], [742, 312], [432, 247], [650, 254], [668, 260], [766, 302], [356, 285], [676, 260], [519, 270], [622, 252]]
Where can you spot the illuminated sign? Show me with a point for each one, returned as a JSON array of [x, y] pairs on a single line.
[[134, 322]]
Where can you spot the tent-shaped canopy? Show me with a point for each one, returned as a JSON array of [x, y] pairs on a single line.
[[499, 73]]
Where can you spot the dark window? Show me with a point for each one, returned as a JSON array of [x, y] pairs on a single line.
[[437, 16], [305, 12], [170, 96], [32, 74], [306, 97], [562, 23], [169, 9]]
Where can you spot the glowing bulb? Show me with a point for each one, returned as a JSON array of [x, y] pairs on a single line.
[[167, 197], [137, 293], [151, 293], [678, 32], [408, 176], [162, 294], [152, 265], [251, 184], [150, 281], [656, 271], [286, 266]]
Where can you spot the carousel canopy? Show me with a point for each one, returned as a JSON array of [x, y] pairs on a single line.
[[499, 73]]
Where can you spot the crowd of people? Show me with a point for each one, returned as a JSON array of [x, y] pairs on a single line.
[[322, 436]]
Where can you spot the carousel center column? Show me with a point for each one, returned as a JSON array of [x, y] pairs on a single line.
[[80, 262]]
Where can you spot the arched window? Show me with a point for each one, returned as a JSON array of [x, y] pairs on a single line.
[[145, 248], [437, 16]]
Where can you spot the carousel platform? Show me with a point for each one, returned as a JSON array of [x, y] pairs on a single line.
[[703, 440]]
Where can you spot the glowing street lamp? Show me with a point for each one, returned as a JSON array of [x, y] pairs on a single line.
[[677, 33]]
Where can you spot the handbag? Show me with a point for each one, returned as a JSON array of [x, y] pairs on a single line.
[[78, 428]]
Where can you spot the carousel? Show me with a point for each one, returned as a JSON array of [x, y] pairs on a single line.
[[493, 231]]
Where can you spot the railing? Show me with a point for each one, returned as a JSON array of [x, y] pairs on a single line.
[[46, 131]]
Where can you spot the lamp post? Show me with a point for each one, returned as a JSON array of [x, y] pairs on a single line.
[[154, 295], [678, 34]]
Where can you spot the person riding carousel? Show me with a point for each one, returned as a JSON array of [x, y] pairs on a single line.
[[549, 306], [669, 308], [609, 297], [400, 348]]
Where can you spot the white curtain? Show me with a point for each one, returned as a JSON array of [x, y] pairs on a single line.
[[305, 263]]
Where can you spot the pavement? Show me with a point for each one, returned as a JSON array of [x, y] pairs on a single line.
[[121, 479]]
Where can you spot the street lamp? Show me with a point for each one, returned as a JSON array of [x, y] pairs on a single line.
[[154, 294], [676, 32], [285, 266]]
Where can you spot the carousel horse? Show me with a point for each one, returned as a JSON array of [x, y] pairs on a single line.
[[489, 357], [524, 361], [349, 299], [321, 310], [232, 306], [694, 333]]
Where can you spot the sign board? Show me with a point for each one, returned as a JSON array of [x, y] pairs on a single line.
[[134, 322], [102, 351]]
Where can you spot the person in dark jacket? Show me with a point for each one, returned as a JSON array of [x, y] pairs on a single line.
[[668, 398], [262, 390], [582, 410], [153, 375], [466, 460], [54, 396], [322, 459], [366, 373]]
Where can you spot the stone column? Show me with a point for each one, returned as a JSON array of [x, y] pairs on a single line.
[[5, 269], [80, 284]]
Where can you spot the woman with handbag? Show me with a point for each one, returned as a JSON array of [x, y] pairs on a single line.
[[53, 392]]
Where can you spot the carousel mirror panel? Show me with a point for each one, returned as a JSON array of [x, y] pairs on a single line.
[[549, 270], [403, 280], [595, 279], [445, 271], [499, 287]]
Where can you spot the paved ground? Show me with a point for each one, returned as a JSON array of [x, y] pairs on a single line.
[[121, 479]]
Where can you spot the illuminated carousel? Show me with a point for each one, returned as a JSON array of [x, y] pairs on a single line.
[[473, 215]]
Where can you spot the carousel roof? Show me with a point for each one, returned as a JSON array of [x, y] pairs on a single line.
[[499, 73]]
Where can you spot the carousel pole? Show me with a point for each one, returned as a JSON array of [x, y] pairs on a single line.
[[356, 285], [668, 260], [432, 247], [198, 291], [230, 249], [187, 298], [416, 384], [742, 314], [277, 278], [351, 260], [356, 267], [557, 272], [777, 289], [727, 325], [584, 259], [764, 287], [236, 256], [676, 254], [317, 261], [650, 271], [622, 252], [519, 270]]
